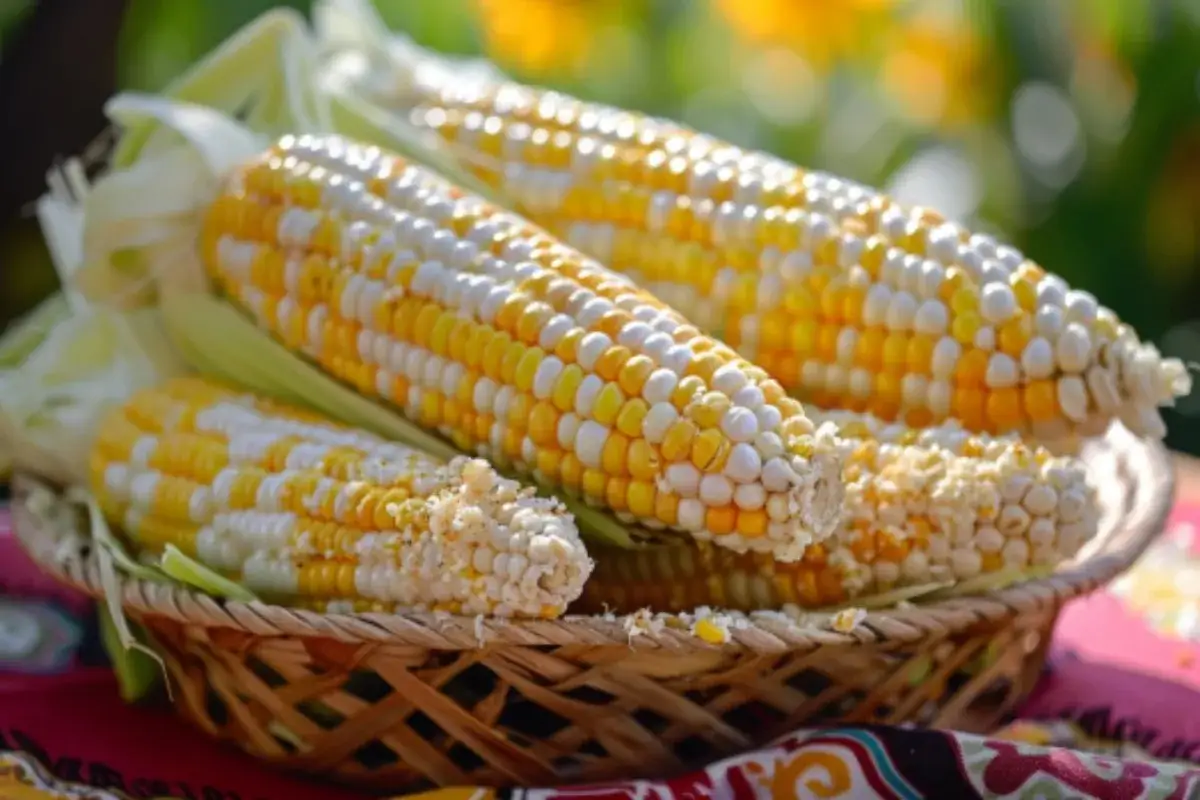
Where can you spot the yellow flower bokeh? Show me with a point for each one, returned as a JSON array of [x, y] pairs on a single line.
[[539, 37], [936, 69], [824, 32]]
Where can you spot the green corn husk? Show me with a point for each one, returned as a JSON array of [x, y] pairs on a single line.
[[20, 339], [22, 336], [185, 569], [265, 70], [138, 674]]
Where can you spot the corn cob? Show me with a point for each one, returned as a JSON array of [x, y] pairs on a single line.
[[847, 298], [314, 514], [516, 347], [922, 507]]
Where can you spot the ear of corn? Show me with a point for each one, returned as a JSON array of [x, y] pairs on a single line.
[[515, 347], [303, 511], [847, 298], [936, 506]]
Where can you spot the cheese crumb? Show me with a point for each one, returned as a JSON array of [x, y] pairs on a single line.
[[642, 622], [846, 620], [710, 630]]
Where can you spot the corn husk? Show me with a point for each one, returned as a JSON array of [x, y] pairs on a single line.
[[19, 340]]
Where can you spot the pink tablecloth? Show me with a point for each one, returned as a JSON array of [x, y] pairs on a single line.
[[1125, 662]]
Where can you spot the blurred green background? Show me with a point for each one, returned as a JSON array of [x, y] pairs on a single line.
[[1071, 128]]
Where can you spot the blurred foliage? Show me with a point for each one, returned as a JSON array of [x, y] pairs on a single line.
[[1071, 129], [12, 12]]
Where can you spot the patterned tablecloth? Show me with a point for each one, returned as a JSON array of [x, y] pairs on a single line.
[[1115, 717]]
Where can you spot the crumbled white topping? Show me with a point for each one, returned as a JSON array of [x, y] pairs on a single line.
[[846, 620]]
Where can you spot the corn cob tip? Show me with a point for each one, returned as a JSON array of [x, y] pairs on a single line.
[[309, 512], [1150, 382], [522, 551], [952, 505]]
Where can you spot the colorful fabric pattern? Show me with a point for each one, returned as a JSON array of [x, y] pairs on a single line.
[[898, 764], [23, 777], [851, 763], [37, 637], [1064, 733]]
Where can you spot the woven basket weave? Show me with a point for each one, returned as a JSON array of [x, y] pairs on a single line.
[[395, 702]]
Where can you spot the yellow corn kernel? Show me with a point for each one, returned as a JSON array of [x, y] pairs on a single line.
[[632, 415], [608, 404]]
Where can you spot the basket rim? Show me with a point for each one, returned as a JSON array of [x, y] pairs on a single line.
[[1146, 471]]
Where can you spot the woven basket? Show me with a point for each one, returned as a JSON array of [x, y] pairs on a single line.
[[394, 702]]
